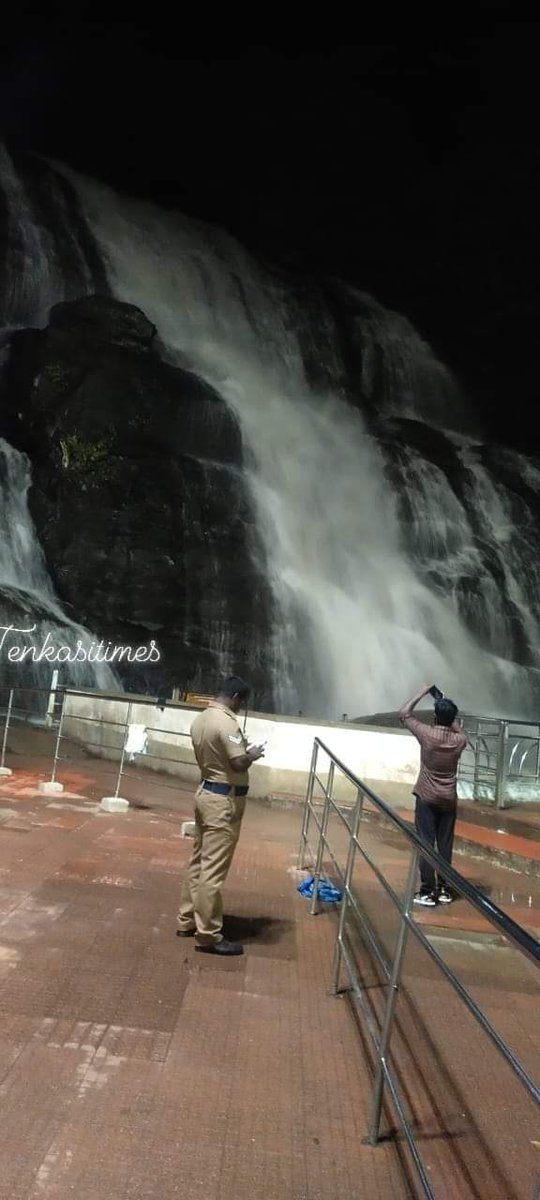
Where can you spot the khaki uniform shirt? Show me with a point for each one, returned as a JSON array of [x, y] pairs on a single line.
[[217, 737]]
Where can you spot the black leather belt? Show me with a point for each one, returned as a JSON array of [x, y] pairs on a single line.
[[223, 789]]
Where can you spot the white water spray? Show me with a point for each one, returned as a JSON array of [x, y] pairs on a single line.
[[25, 580], [350, 601]]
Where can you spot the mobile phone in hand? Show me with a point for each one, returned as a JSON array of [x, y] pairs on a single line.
[[436, 693]]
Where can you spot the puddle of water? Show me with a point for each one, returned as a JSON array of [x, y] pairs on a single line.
[[9, 959]]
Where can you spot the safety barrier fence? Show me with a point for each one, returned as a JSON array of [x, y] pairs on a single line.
[[502, 761], [500, 765], [20, 706], [124, 776], [52, 710], [338, 854]]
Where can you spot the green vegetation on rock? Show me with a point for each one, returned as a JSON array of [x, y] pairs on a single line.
[[58, 375], [89, 460]]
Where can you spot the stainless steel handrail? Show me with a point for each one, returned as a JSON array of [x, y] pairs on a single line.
[[123, 773], [120, 729], [486, 907], [506, 737], [496, 720], [518, 937]]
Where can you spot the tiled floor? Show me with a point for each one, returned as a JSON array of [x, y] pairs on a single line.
[[132, 1067], [516, 893], [513, 834]]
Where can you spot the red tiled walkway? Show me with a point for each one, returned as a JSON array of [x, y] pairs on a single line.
[[489, 836], [132, 1067]]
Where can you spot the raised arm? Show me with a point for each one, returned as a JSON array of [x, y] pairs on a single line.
[[407, 709]]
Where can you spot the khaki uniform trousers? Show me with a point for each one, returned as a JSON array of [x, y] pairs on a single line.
[[217, 820]]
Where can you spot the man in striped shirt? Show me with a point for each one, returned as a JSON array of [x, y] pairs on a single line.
[[441, 747]]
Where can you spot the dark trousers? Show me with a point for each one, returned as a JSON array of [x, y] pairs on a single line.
[[436, 826]]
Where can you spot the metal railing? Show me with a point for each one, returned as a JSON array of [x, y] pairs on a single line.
[[49, 709], [349, 821], [19, 706], [502, 759], [52, 710], [124, 774]]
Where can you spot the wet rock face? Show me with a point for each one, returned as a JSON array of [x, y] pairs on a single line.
[[139, 497]]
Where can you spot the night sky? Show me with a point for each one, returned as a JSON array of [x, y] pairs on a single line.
[[408, 167]]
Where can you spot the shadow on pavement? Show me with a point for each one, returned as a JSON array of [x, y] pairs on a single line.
[[260, 929]]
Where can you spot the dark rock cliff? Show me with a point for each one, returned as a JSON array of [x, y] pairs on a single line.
[[138, 496]]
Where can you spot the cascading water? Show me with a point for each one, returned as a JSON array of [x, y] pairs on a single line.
[[332, 533], [359, 625], [509, 530], [26, 590], [382, 531], [42, 232], [22, 564]]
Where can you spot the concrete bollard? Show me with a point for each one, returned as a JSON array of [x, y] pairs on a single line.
[[6, 771], [50, 787], [188, 828], [114, 804]]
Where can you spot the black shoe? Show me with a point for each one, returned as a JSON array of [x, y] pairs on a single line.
[[185, 932], [426, 899], [445, 897], [223, 947]]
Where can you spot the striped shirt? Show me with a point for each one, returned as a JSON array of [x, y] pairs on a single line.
[[441, 748]]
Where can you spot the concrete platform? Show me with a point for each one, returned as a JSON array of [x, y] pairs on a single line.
[[131, 1067], [510, 838]]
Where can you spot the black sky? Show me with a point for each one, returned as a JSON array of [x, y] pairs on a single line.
[[407, 166]]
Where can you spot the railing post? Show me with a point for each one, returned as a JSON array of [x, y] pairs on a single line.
[[476, 771], [58, 739], [307, 807], [50, 787], [49, 715], [3, 769], [123, 754], [395, 979], [338, 950], [501, 765], [322, 839]]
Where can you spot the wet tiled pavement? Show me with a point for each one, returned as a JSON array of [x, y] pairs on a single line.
[[132, 1067], [508, 837], [478, 1131], [517, 893]]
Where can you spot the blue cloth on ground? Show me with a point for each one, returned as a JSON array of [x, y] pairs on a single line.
[[325, 891]]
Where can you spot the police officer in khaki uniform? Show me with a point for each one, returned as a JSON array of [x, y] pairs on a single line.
[[224, 759]]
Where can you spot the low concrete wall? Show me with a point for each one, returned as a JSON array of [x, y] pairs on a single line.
[[387, 760]]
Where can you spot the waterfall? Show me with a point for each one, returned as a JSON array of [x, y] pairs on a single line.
[[360, 623], [509, 528], [27, 597], [43, 235], [398, 547]]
